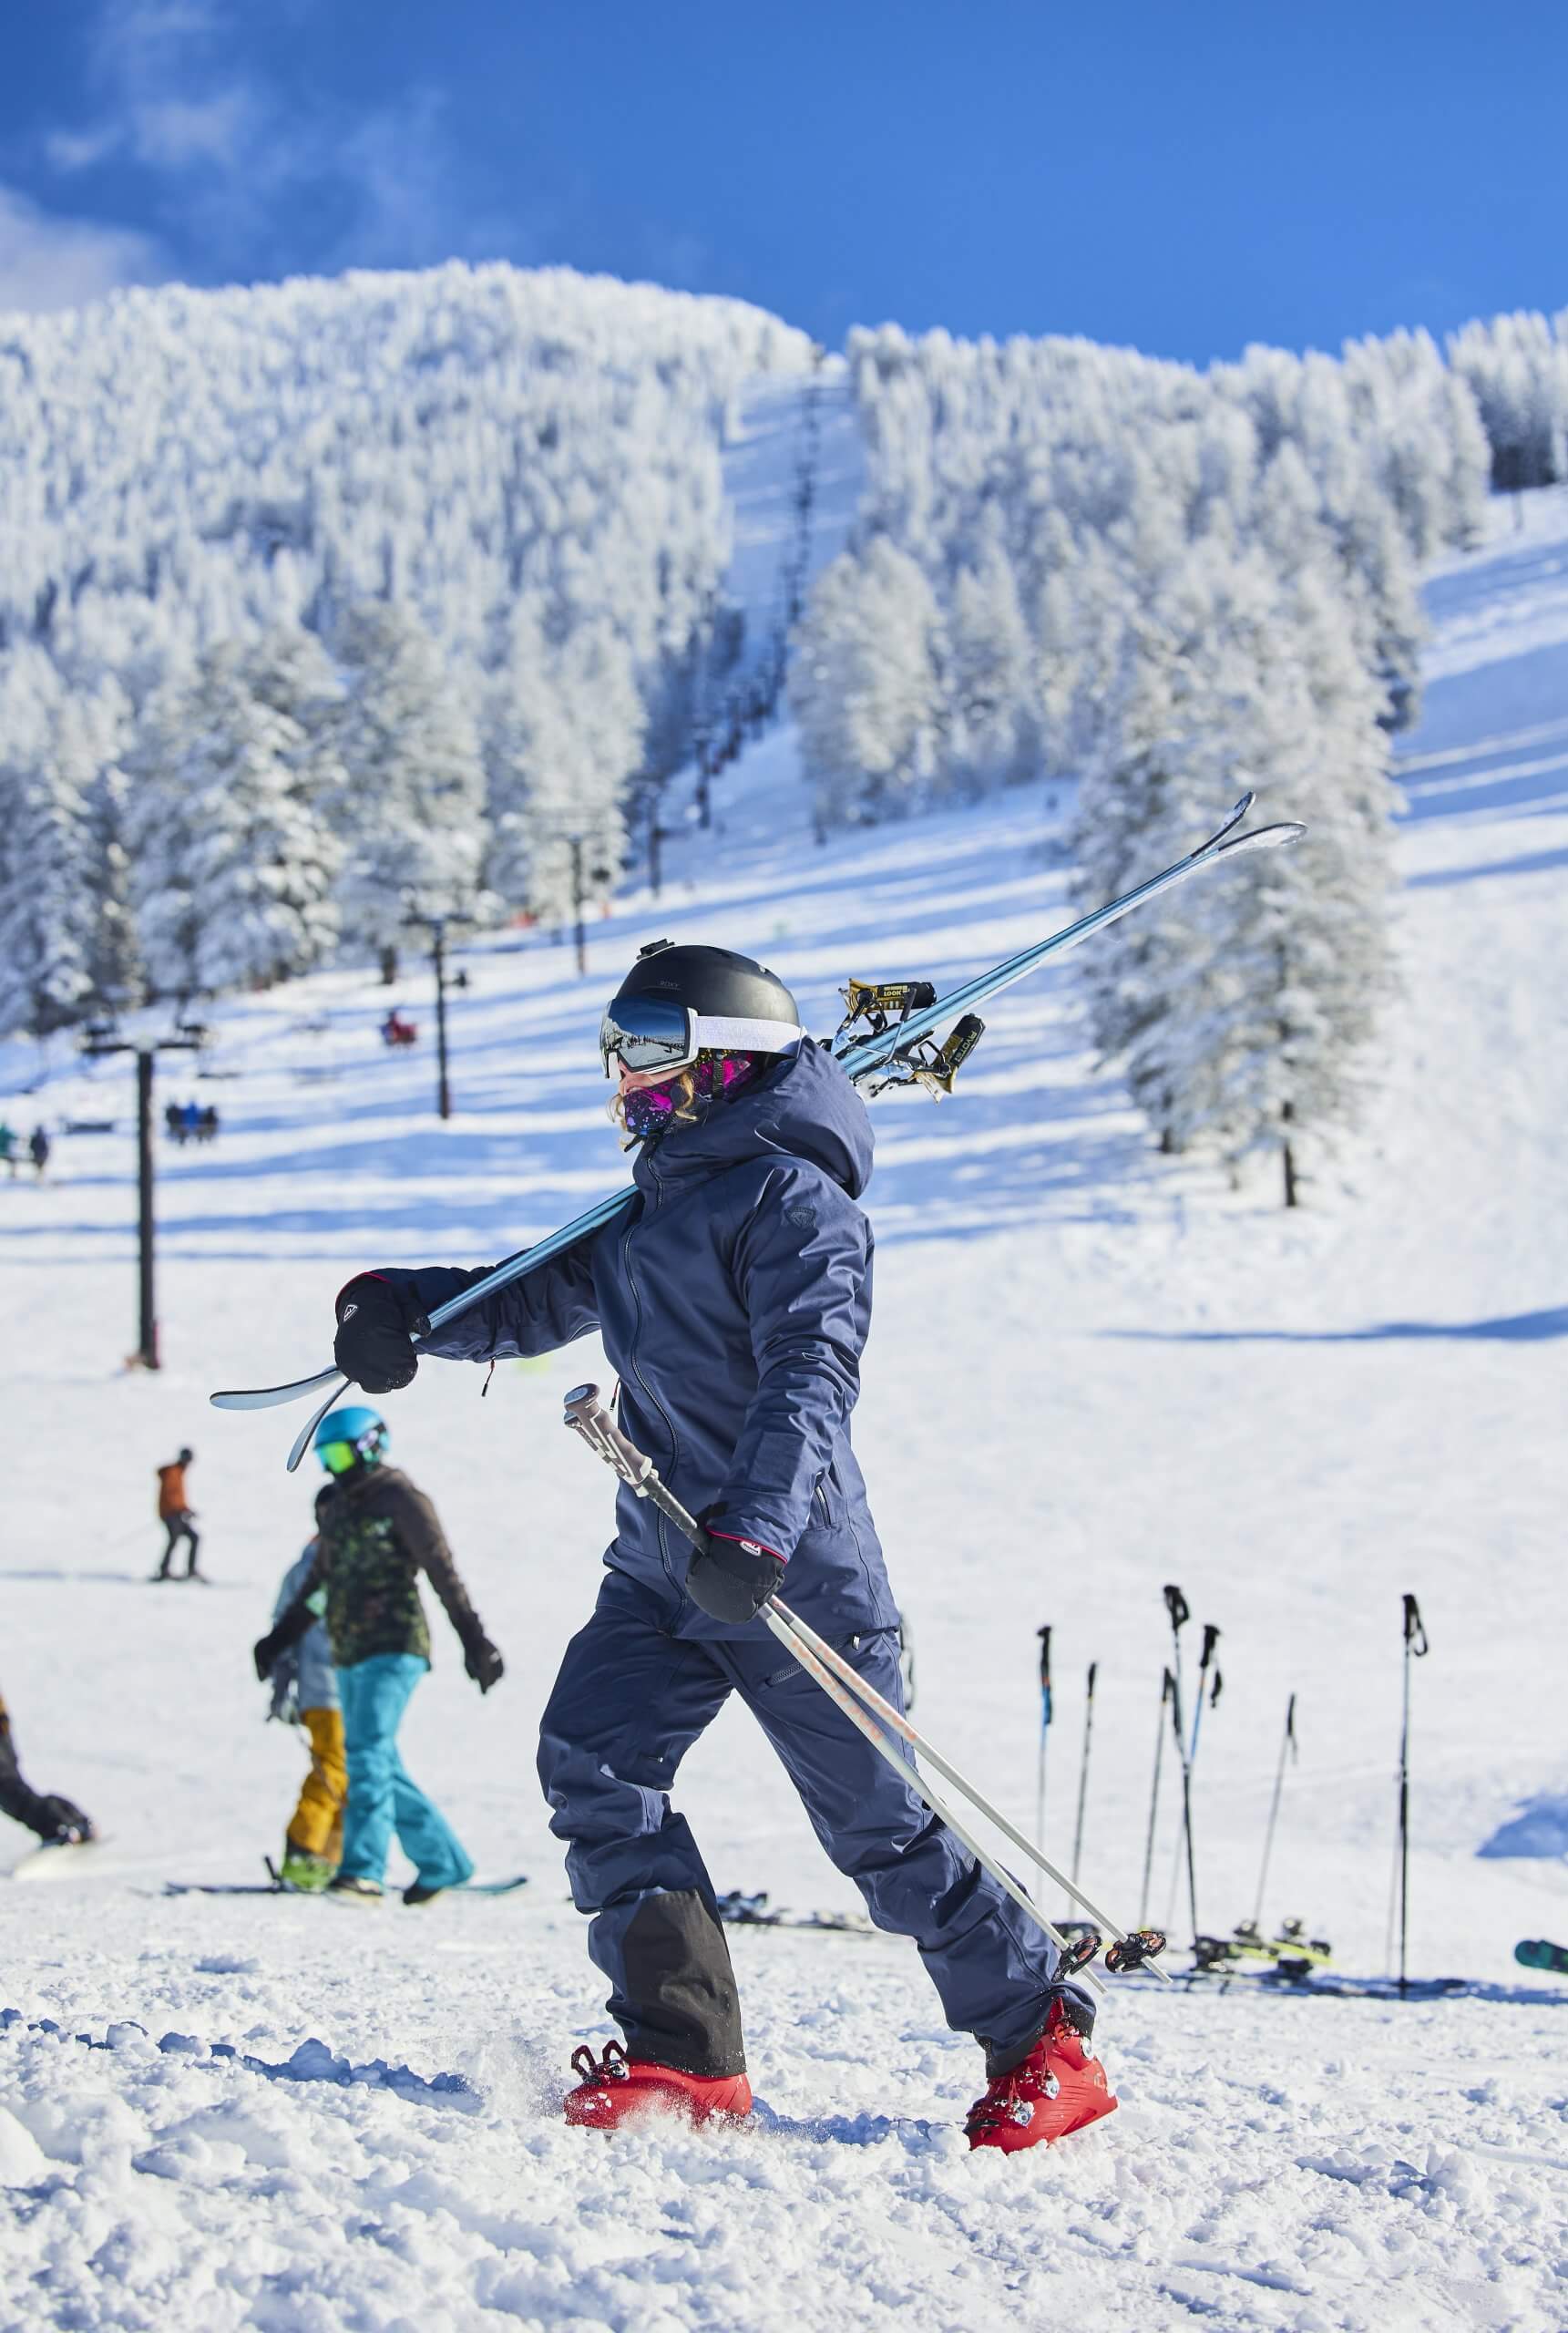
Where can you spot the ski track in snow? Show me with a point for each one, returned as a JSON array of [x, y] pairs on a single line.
[[1297, 1418]]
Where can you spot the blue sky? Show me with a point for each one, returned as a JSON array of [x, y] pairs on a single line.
[[1182, 178]]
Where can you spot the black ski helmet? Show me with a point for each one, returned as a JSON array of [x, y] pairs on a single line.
[[677, 1002]]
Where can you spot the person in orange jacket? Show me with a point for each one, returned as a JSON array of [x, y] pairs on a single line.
[[174, 1512]]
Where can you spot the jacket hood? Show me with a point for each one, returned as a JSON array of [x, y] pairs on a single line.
[[804, 1108]]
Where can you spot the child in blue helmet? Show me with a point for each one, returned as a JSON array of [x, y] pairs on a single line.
[[375, 1533]]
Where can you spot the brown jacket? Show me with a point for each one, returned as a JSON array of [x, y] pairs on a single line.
[[171, 1497]]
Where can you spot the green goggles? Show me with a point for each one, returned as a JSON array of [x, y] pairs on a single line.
[[337, 1457]]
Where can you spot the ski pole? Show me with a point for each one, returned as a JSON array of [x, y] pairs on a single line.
[[1286, 1748], [1083, 1771], [1167, 1687], [1180, 1613], [1415, 1649], [587, 1416], [1205, 1661], [1044, 1636]]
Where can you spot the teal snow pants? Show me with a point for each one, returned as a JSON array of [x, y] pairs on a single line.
[[381, 1796]]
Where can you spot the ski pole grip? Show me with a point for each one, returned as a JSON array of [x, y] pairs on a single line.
[[587, 1417], [1415, 1628], [1177, 1606]]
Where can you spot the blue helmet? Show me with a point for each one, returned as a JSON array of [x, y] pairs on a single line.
[[350, 1437]]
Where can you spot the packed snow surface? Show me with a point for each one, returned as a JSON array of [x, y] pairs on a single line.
[[1092, 1371]]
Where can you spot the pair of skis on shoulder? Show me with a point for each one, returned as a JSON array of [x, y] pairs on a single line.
[[888, 1038]]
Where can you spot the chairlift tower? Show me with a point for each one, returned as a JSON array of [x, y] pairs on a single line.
[[99, 1042]]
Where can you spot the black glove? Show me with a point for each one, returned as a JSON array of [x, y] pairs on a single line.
[[69, 1827], [267, 1650], [374, 1323], [483, 1662], [732, 1579]]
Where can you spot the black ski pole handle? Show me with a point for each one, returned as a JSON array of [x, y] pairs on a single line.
[[1177, 1606], [1415, 1628], [1210, 1638]]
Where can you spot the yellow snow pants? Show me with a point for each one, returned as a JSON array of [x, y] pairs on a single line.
[[317, 1823]]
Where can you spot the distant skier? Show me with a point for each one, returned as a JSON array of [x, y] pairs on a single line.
[[8, 1147], [178, 1517], [56, 1822], [734, 1304], [306, 1693], [38, 1150], [375, 1534]]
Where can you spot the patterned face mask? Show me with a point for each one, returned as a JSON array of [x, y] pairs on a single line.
[[681, 1099]]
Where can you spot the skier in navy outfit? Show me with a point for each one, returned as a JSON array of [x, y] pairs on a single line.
[[733, 1302]]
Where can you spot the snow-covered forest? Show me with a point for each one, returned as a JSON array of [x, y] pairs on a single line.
[[333, 606], [328, 602]]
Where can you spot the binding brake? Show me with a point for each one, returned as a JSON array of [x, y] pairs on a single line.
[[878, 1008]]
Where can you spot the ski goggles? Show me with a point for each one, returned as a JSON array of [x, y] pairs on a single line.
[[653, 1033], [337, 1457]]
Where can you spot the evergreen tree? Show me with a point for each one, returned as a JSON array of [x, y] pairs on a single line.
[[1241, 1012], [410, 804], [233, 867], [864, 687], [566, 737]]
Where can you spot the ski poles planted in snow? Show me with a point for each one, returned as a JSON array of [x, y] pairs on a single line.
[[1044, 1636], [1286, 1748], [1177, 1606], [1415, 1649], [877, 1719], [1083, 1770], [1167, 1688], [1205, 1692]]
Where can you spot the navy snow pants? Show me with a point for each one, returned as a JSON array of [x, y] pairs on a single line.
[[629, 1701]]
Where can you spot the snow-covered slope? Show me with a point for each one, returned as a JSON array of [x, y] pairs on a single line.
[[1090, 1373]]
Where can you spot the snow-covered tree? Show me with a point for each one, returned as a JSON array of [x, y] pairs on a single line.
[[864, 685], [410, 806], [1242, 1008], [233, 864], [565, 738]]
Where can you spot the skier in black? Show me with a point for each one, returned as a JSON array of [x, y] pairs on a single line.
[[733, 1302], [58, 1822]]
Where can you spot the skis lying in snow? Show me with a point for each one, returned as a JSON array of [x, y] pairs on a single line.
[[1293, 1953], [273, 1886], [738, 1910], [1535, 1952], [888, 1038]]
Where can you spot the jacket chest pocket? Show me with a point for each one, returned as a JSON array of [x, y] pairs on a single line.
[[825, 1512]]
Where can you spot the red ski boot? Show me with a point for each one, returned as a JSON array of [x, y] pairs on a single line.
[[1060, 2087], [620, 2090]]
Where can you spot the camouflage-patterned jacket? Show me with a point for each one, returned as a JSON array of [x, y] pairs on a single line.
[[376, 1535]]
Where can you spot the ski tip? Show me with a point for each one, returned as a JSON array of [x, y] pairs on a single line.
[[1289, 830]]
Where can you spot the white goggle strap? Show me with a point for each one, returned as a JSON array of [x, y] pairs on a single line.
[[722, 1035]]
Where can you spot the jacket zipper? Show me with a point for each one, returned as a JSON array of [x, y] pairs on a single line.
[[653, 1398]]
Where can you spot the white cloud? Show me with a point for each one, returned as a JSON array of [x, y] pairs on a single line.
[[236, 163], [46, 262]]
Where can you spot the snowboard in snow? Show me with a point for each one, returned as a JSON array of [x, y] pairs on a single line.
[[58, 1862], [1535, 1952]]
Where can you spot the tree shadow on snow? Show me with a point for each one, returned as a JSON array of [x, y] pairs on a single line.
[[1509, 1328]]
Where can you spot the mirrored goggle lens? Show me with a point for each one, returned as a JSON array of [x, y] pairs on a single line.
[[648, 1033], [337, 1457]]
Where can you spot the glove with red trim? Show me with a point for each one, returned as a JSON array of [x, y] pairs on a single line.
[[730, 1580]]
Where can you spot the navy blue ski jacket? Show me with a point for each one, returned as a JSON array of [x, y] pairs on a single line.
[[733, 1302]]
